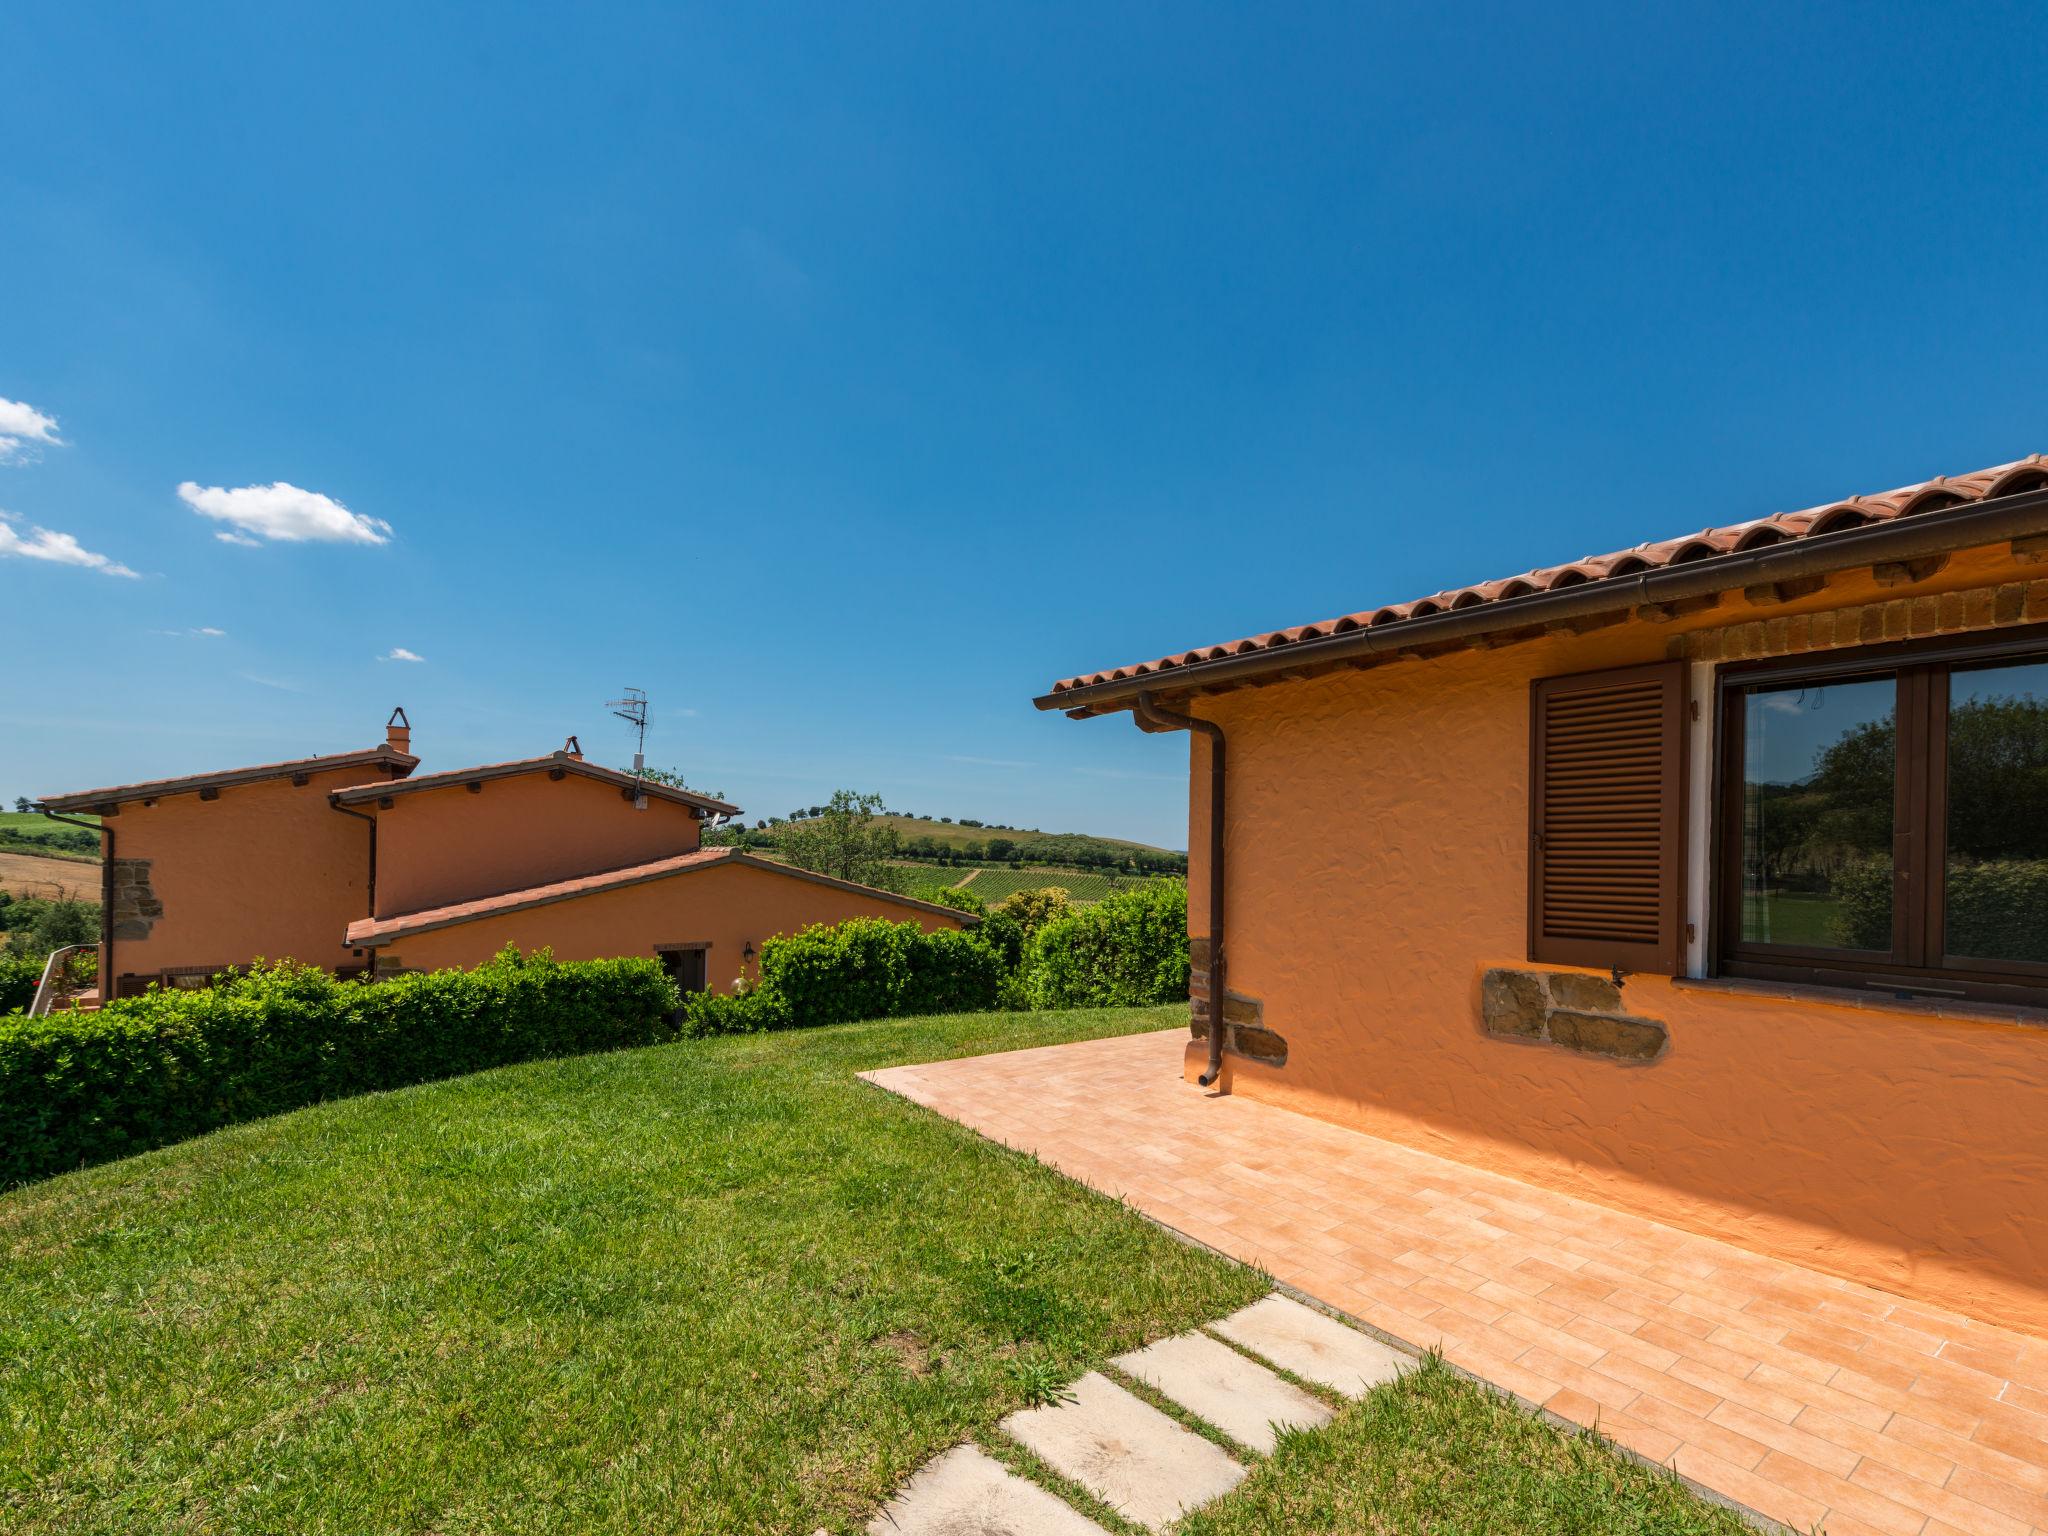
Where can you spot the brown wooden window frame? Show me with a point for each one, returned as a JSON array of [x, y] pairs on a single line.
[[701, 948], [1916, 966], [1665, 953]]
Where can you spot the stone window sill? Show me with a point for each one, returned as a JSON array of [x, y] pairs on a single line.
[[1872, 1000]]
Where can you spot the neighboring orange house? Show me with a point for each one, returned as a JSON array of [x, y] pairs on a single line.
[[350, 862], [1707, 878]]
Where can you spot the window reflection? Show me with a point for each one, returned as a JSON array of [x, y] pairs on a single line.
[[1819, 773], [1996, 881]]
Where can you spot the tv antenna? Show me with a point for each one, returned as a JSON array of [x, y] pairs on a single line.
[[633, 710]]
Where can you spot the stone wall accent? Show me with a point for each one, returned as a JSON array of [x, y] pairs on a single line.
[[136, 907], [1578, 1010], [1897, 618], [1244, 1023]]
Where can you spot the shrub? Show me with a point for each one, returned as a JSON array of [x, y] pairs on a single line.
[[1127, 949], [52, 925], [1032, 910], [734, 1013], [1999, 909], [19, 977], [1005, 936], [141, 1072], [949, 972], [1995, 909], [870, 968], [952, 896], [1863, 905]]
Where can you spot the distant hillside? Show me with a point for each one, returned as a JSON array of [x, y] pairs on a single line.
[[31, 833], [954, 845], [959, 834]]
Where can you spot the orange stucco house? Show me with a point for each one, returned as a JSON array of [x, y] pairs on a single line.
[[352, 862], [1708, 879]]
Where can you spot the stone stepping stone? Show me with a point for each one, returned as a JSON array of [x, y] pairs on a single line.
[[1314, 1347], [967, 1492], [1214, 1382], [1126, 1452]]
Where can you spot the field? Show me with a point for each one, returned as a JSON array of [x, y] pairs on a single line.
[[954, 836], [15, 826], [32, 821], [28, 874], [992, 885]]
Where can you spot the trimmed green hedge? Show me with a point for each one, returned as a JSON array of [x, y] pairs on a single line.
[[870, 968], [146, 1071], [1996, 910], [1129, 949], [1126, 950]]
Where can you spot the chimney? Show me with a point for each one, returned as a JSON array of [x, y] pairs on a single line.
[[398, 732], [573, 748]]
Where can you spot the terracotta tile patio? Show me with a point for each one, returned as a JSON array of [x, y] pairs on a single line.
[[1807, 1399]]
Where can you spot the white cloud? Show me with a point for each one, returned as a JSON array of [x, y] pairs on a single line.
[[210, 632], [238, 538], [205, 632], [400, 653], [283, 685], [59, 548], [283, 512], [21, 423]]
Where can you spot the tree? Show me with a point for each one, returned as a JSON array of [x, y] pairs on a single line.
[[23, 804], [1001, 849], [845, 841], [673, 778], [56, 924]]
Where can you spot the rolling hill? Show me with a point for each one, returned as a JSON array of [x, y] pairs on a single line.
[[953, 834]]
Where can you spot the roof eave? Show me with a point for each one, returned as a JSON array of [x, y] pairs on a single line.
[[191, 783], [1979, 524], [389, 930], [356, 794]]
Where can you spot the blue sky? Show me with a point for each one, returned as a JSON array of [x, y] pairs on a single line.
[[842, 375]]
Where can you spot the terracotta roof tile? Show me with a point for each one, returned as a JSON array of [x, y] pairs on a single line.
[[148, 789], [369, 932], [377, 930], [357, 793], [2030, 473]]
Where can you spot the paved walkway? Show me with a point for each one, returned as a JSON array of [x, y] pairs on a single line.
[[1132, 1457], [1805, 1398]]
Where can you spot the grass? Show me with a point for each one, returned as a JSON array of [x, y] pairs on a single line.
[[1792, 917], [35, 821], [1436, 1453], [718, 1286], [710, 1287]]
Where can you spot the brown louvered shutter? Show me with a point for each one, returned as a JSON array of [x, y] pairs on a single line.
[[1607, 819]]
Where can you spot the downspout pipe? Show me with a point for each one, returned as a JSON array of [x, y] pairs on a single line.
[[1151, 717], [335, 801], [106, 894]]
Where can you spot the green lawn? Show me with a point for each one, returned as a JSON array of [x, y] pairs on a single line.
[[1791, 917], [719, 1286]]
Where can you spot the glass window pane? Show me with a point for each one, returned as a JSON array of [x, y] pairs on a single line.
[[1819, 770], [1996, 883]]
